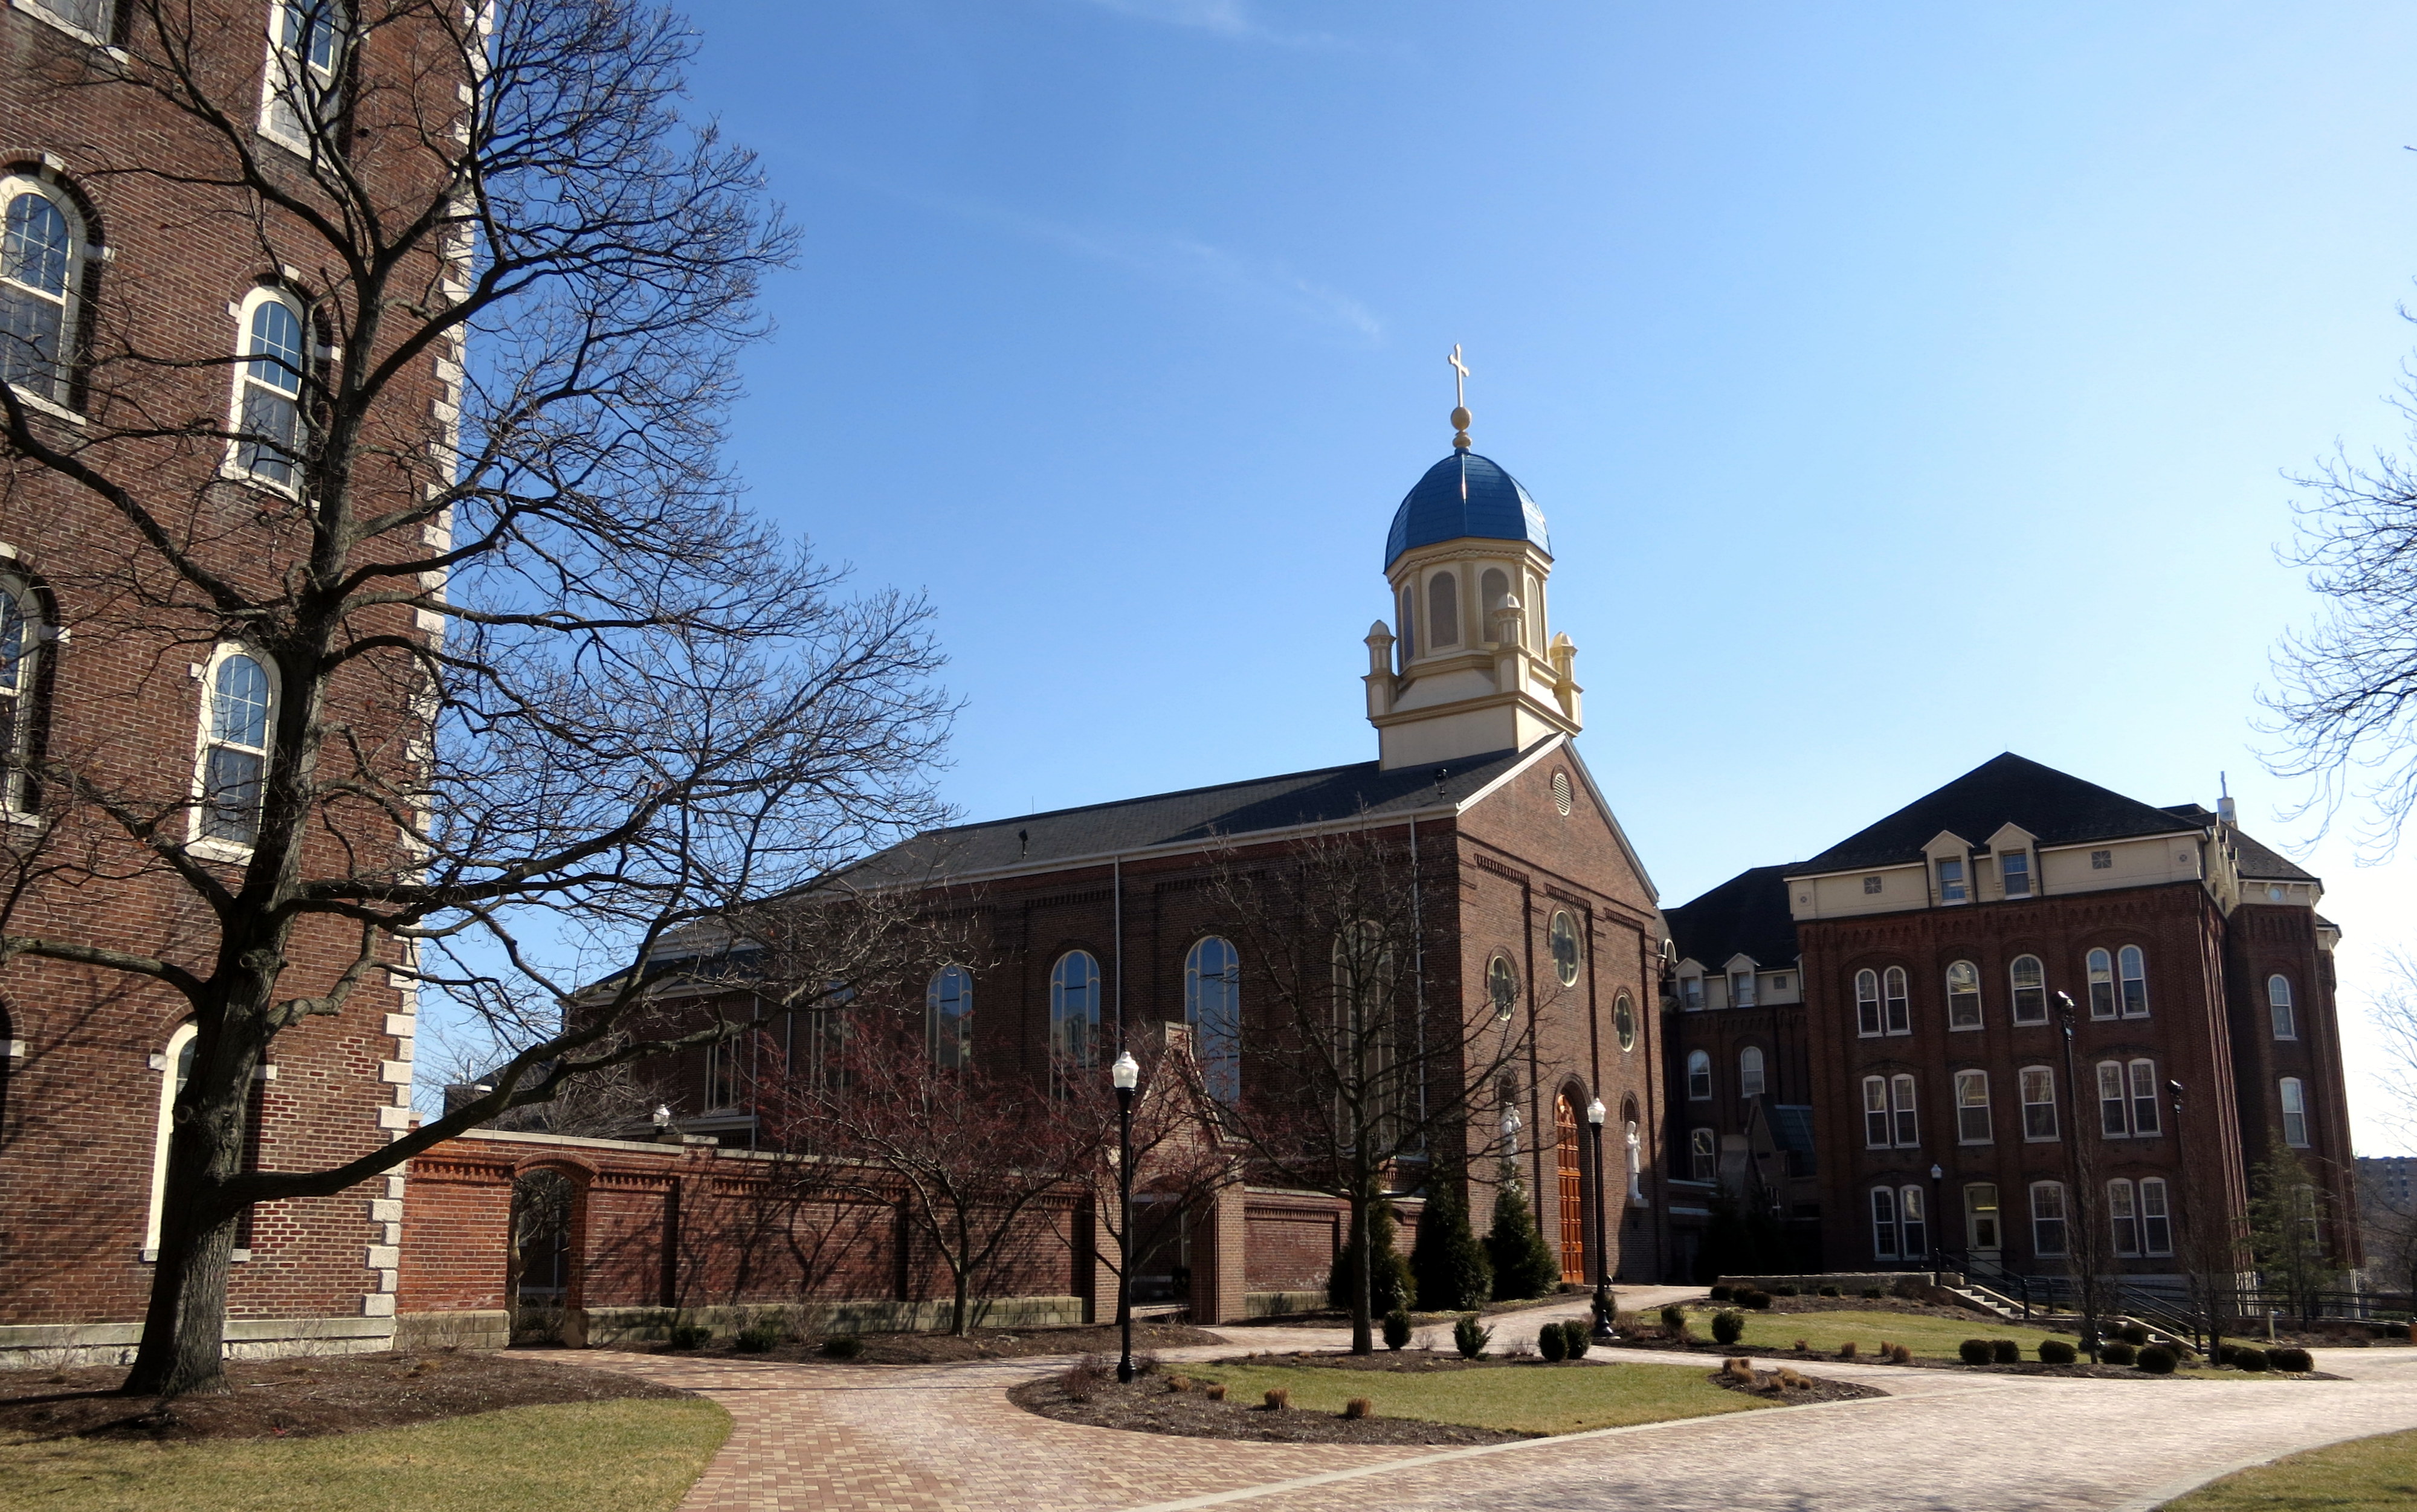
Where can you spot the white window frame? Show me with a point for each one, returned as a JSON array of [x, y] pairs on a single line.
[[1219, 1059], [2012, 864], [1877, 1122], [1904, 1114], [1703, 1156], [284, 70], [1699, 1072], [1062, 1057], [1973, 1123], [2114, 1092], [217, 847], [2157, 1216], [34, 619], [1751, 1082], [2282, 1007], [1955, 885], [2031, 1079], [71, 301], [951, 984], [161, 1130], [42, 12], [1690, 993], [2098, 969], [2132, 966], [1564, 930], [1914, 1223], [1868, 1023], [2124, 1218], [1884, 1228], [2061, 1218], [232, 465], [722, 1073], [2294, 1093], [1896, 1000], [2037, 990], [1741, 993], [1964, 1017], [2146, 1090]]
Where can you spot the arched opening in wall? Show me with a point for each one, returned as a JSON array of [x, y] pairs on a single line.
[[1570, 1161], [545, 1210]]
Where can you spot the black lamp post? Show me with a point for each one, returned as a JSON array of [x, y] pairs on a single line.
[[1602, 1304], [1126, 1074], [1937, 1173]]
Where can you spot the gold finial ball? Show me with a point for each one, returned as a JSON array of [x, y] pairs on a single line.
[[1460, 418]]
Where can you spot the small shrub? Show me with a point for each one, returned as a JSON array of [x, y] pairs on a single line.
[[1278, 1398], [2244, 1357], [1552, 1343], [1759, 1301], [1214, 1391], [1728, 1326], [2133, 1334], [1793, 1379], [1146, 1362], [2005, 1351], [2298, 1361], [2057, 1352], [1846, 1350], [1740, 1371], [1828, 1291], [842, 1346], [1357, 1408], [1784, 1291], [1722, 1294], [1802, 1347], [1674, 1323], [760, 1339], [1397, 1329], [1975, 1352], [1082, 1379], [1900, 1354], [1469, 1335], [1579, 1336], [2158, 1360], [1179, 1383], [2119, 1352], [1871, 1293], [691, 1336]]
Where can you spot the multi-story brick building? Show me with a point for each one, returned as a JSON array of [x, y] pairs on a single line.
[[1931, 953], [133, 291]]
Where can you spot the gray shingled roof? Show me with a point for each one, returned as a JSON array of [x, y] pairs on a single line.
[[2056, 807], [1746, 913], [2258, 859], [1296, 799]]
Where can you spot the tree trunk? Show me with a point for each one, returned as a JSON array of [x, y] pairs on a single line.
[[1362, 1338], [184, 1330]]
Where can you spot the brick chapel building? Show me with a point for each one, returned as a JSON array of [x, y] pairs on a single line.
[[101, 257], [1845, 1027]]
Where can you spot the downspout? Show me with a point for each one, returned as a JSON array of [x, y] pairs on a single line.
[[1116, 922], [1418, 976]]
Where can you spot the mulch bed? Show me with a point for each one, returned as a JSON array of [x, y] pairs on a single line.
[[978, 1344], [1898, 1305], [305, 1398], [1151, 1405], [1812, 1388]]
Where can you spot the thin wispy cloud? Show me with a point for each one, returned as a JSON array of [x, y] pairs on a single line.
[[1223, 18]]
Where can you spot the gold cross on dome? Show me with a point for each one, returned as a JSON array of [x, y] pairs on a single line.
[[1459, 379]]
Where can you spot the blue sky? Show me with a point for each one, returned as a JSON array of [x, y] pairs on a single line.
[[1903, 384]]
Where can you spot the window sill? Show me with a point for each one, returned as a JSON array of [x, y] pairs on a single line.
[[34, 402], [217, 850], [56, 24], [151, 1257]]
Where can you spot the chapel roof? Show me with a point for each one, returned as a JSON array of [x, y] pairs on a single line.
[[1464, 495], [1747, 914]]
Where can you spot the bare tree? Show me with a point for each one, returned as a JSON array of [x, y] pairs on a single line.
[[2346, 699], [544, 697], [1356, 1071]]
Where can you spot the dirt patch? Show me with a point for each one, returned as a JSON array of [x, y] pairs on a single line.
[[943, 1348], [1793, 1388], [1152, 1405], [306, 1397]]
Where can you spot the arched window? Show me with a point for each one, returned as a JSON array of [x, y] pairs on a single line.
[[1963, 995], [1884, 1222], [23, 628], [1623, 1020], [269, 443], [2279, 1002], [2030, 981], [1492, 590], [1972, 1108], [1443, 608], [2135, 972], [1700, 1076], [1409, 632], [2123, 1217], [1909, 1126], [949, 1018], [1568, 952], [2048, 1218], [2295, 1113], [1900, 1011], [41, 264], [1914, 1237], [1867, 1002], [1532, 614], [234, 748], [176, 1068], [2101, 985], [1212, 1006], [1703, 1156], [1750, 1073], [1876, 1113], [2039, 1102], [306, 63], [88, 19], [1501, 986], [1074, 1013]]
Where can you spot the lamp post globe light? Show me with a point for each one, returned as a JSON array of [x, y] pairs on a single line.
[[1126, 1074], [1603, 1304]]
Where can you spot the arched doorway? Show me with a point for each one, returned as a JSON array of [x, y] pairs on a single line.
[[545, 1205], [1572, 1205]]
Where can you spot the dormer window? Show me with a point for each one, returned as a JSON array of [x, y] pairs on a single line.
[[2015, 866], [1741, 989], [1951, 879], [1691, 992]]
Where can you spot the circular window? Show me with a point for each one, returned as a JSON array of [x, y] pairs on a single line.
[[1623, 1023], [1565, 949], [1562, 798], [1502, 986]]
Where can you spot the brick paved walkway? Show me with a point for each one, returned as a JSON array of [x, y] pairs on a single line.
[[857, 1439]]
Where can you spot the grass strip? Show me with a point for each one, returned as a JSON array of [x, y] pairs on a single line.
[[2361, 1475], [1530, 1399]]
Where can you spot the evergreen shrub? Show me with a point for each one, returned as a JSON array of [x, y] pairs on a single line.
[[2296, 1360], [2119, 1352], [1469, 1335], [1580, 1336], [1523, 1265], [1759, 1301], [1449, 1264], [1390, 1287], [2133, 1334], [691, 1336], [2245, 1358], [1828, 1291], [1728, 1326], [1722, 1293], [2057, 1352], [1552, 1343], [2005, 1351], [2157, 1360], [1397, 1329], [1674, 1323], [1975, 1352]]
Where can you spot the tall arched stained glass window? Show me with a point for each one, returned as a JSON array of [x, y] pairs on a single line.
[[1212, 1006], [1074, 1013], [949, 1018]]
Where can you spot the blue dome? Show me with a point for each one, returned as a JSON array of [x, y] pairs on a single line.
[[1464, 495]]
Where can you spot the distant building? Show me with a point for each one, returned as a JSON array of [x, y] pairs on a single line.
[[2387, 1210]]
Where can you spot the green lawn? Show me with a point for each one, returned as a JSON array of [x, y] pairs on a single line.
[[2362, 1476], [1534, 1399], [626, 1455], [1776, 1333]]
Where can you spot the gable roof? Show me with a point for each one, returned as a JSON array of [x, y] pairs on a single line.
[[1746, 915], [2056, 807], [1197, 816], [2257, 858]]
